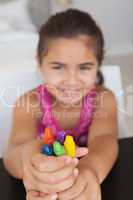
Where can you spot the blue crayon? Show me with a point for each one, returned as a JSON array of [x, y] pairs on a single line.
[[47, 150]]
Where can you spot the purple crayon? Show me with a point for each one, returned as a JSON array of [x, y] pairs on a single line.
[[61, 136]]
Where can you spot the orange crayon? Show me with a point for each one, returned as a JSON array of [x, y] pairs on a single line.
[[49, 138]]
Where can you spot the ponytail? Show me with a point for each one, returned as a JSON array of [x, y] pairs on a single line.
[[100, 78]]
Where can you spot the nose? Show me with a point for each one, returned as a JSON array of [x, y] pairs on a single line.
[[72, 80]]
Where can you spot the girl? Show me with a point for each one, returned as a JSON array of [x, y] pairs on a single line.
[[72, 98]]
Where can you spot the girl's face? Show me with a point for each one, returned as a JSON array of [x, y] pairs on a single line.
[[69, 69]]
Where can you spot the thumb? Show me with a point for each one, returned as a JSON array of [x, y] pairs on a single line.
[[81, 151], [33, 193]]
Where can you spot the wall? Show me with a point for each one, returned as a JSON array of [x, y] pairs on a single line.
[[115, 18]]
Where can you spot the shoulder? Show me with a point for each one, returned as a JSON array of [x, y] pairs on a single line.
[[29, 103], [105, 121], [106, 93], [105, 97], [28, 97]]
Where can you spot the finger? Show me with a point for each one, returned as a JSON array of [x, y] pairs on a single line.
[[28, 179], [90, 192], [28, 186], [81, 191], [50, 163], [81, 197], [54, 188], [57, 176], [32, 195], [85, 195], [42, 194], [73, 192], [81, 151]]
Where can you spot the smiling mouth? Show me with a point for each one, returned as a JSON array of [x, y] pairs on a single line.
[[71, 93], [69, 90]]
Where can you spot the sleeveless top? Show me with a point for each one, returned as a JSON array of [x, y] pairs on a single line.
[[80, 131]]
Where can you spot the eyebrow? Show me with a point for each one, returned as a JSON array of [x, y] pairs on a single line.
[[81, 64]]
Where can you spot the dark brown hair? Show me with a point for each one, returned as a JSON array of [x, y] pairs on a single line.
[[69, 24]]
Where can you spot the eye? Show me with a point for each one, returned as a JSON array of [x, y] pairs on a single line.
[[58, 67], [85, 67]]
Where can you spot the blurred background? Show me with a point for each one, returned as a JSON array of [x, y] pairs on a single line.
[[20, 21]]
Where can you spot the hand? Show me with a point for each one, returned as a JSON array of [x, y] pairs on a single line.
[[86, 187], [34, 175], [34, 195], [55, 174], [30, 150]]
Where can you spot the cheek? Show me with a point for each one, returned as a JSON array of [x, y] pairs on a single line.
[[89, 78], [50, 77]]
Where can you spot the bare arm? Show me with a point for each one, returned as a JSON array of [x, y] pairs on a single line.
[[102, 140], [23, 132]]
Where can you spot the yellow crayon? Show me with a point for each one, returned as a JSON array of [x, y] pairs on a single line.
[[70, 146]]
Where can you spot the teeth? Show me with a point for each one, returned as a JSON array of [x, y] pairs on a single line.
[[71, 94], [73, 90]]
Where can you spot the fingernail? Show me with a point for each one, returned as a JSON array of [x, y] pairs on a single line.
[[68, 160], [36, 193], [76, 161], [76, 172], [86, 150], [54, 197], [42, 194]]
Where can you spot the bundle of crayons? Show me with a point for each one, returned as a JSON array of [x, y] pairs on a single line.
[[59, 145]]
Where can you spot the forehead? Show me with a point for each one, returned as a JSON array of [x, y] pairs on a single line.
[[74, 48]]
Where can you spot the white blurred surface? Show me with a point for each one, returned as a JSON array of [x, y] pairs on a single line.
[[15, 13], [18, 50], [115, 19]]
